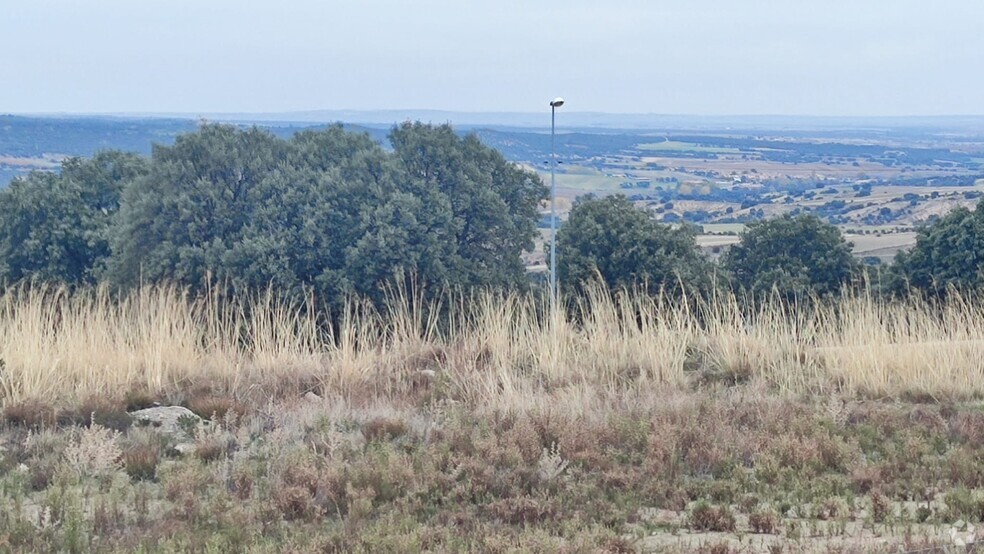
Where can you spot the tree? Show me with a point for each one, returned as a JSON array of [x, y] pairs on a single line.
[[191, 209], [483, 207], [55, 227], [797, 256], [613, 239], [327, 210], [949, 253]]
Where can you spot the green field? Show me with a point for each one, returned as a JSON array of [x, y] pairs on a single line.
[[721, 228], [584, 179], [676, 146]]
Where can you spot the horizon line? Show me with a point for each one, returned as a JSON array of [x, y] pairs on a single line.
[[202, 113]]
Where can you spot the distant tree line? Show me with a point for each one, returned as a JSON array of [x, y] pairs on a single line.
[[333, 214], [792, 256]]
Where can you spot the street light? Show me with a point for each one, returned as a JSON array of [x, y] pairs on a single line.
[[554, 104]]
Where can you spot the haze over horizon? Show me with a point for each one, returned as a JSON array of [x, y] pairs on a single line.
[[699, 57]]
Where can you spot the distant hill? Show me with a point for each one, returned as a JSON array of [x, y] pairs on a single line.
[[31, 137], [573, 119], [39, 142], [29, 143]]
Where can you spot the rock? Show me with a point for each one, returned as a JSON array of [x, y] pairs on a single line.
[[185, 448], [311, 397], [429, 373], [169, 420]]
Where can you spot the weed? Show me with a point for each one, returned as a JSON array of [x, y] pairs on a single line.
[[99, 410], [139, 398], [96, 453], [215, 407], [140, 461], [880, 507], [705, 517], [384, 429], [33, 413], [764, 520]]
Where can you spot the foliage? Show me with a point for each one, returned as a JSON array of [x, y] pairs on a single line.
[[54, 227], [327, 210], [487, 207], [613, 239], [794, 256], [949, 254]]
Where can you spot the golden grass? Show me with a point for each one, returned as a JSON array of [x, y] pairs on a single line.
[[494, 348]]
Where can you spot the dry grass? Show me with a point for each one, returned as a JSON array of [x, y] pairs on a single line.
[[678, 471], [500, 349]]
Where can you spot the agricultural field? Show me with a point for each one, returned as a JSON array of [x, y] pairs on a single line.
[[677, 146]]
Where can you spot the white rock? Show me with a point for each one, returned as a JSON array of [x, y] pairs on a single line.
[[185, 448], [165, 418]]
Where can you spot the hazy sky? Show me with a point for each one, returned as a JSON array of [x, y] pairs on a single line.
[[807, 57]]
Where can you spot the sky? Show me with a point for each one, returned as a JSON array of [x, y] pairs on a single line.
[[702, 57]]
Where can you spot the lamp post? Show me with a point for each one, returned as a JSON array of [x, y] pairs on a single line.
[[554, 104]]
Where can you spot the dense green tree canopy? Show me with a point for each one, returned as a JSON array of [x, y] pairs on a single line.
[[327, 210], [484, 207], [794, 256], [613, 239], [54, 227], [949, 253]]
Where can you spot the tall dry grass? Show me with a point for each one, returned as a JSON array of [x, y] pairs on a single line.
[[484, 348]]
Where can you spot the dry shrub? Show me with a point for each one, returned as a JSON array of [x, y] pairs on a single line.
[[139, 398], [382, 429], [520, 438], [100, 410], [704, 517], [332, 492], [881, 507], [551, 464], [107, 517], [717, 548], [215, 407], [211, 448], [583, 442], [360, 503], [865, 477], [796, 452], [96, 452], [140, 461], [968, 427], [618, 545], [41, 474], [31, 413], [300, 470], [965, 467], [831, 509], [765, 521], [386, 473], [243, 482], [185, 481], [524, 510], [294, 502]]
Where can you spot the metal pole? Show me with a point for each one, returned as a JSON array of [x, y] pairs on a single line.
[[553, 212]]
